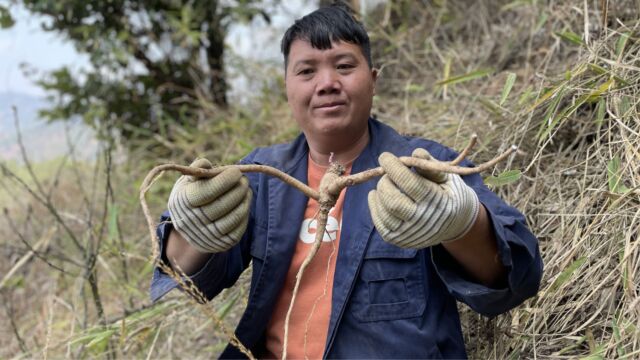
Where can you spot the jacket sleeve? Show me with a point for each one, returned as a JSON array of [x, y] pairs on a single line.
[[219, 272], [517, 250]]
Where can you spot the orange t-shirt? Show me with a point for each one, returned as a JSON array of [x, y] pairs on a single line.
[[311, 313]]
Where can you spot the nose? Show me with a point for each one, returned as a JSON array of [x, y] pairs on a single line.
[[328, 82]]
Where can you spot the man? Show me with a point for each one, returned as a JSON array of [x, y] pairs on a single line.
[[397, 252]]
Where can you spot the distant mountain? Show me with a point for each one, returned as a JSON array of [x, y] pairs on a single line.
[[28, 107], [42, 140]]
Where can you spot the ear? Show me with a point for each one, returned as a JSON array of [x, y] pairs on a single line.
[[374, 78], [286, 92]]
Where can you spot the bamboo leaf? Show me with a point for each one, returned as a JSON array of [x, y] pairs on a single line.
[[515, 4], [446, 73], [597, 354], [504, 178], [566, 274], [571, 347], [621, 43], [547, 121], [600, 112], [565, 113], [541, 21], [571, 37], [224, 310], [101, 340], [598, 69], [511, 79], [466, 77], [414, 88], [615, 180], [88, 337], [525, 96], [491, 106], [549, 94], [623, 106], [616, 335], [600, 90]]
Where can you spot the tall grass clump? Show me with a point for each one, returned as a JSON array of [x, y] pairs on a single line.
[[561, 81]]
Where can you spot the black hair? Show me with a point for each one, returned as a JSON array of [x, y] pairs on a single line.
[[324, 26]]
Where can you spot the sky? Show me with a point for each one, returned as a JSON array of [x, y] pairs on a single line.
[[27, 43]]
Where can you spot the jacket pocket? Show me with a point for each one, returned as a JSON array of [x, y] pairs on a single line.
[[390, 285]]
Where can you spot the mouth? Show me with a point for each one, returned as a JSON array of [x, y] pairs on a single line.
[[330, 106]]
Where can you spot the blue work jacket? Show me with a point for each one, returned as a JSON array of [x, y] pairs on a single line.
[[388, 302]]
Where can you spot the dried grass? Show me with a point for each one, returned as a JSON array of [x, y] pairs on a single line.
[[573, 112]]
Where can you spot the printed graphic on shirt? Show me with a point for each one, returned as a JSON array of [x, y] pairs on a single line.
[[309, 228]]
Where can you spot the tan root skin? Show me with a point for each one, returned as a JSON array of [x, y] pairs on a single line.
[[331, 185]]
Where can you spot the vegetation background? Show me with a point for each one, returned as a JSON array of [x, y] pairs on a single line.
[[560, 79]]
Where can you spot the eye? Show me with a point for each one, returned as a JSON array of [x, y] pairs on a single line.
[[306, 71], [345, 66]]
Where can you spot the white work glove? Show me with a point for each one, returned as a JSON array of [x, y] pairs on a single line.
[[211, 213], [423, 208]]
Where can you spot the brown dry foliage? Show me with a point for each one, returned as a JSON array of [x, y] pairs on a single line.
[[573, 112]]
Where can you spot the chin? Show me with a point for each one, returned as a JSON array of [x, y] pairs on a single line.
[[332, 129]]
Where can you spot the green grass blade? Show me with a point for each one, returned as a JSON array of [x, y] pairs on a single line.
[[603, 88], [601, 111], [549, 115], [615, 180], [549, 94], [571, 37], [566, 274], [504, 178], [597, 354], [621, 43], [511, 79], [226, 307], [465, 77]]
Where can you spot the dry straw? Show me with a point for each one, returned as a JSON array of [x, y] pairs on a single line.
[[561, 80]]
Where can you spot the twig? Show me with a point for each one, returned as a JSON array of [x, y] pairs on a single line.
[[23, 151], [43, 242], [34, 250], [45, 203], [8, 306], [331, 185]]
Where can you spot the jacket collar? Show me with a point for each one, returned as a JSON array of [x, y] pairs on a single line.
[[289, 156]]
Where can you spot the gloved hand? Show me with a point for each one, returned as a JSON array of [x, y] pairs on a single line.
[[423, 208], [211, 213]]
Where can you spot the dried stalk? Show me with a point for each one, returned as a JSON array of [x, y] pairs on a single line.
[[331, 185]]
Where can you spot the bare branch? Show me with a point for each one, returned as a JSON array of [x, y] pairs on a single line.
[[35, 249], [23, 152], [44, 202]]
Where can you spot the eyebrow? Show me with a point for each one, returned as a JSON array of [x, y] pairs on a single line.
[[336, 57]]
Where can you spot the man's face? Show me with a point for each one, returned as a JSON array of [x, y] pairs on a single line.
[[329, 91]]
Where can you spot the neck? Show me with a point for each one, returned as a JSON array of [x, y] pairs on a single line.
[[321, 153]]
